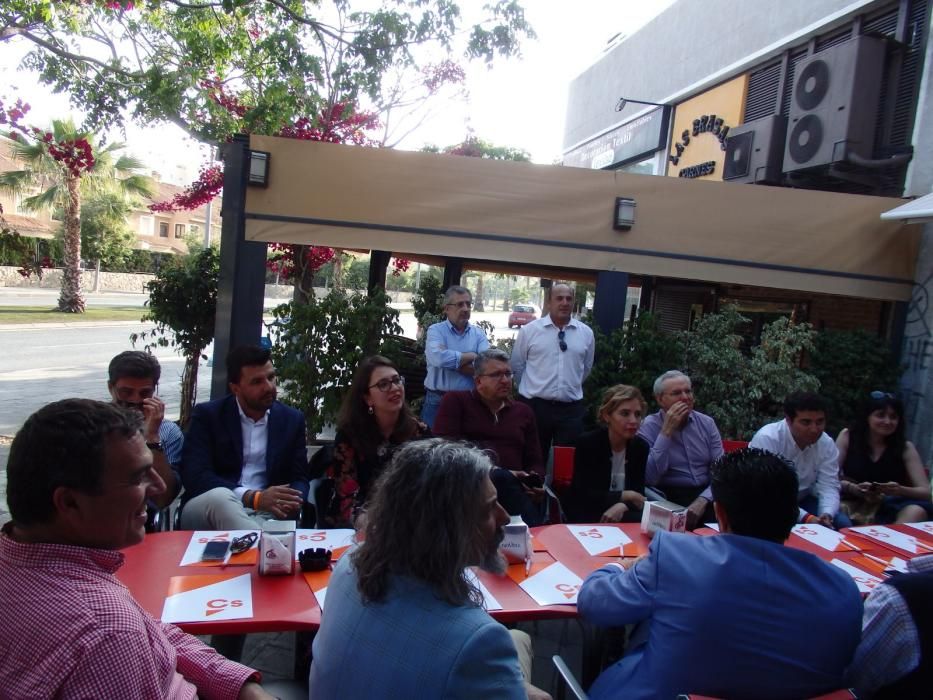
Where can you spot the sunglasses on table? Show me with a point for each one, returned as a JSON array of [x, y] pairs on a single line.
[[243, 543], [384, 385]]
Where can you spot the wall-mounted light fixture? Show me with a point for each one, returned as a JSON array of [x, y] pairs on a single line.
[[624, 217], [258, 169], [623, 101]]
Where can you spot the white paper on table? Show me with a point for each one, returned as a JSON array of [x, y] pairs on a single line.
[[223, 599], [489, 600], [554, 585], [600, 540], [713, 526], [821, 536], [887, 535], [321, 595], [926, 527], [328, 539], [866, 582], [897, 564], [199, 538]]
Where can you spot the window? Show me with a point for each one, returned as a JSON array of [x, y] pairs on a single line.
[[146, 224], [163, 229], [179, 230], [194, 229]]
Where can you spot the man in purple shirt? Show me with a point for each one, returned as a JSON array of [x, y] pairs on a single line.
[[488, 417], [684, 443]]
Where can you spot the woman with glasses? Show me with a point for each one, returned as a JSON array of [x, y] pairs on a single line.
[[609, 462], [882, 477], [373, 421]]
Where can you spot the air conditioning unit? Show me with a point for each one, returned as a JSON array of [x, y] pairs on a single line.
[[834, 104], [755, 151]]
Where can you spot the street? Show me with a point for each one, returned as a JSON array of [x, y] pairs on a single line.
[[41, 365]]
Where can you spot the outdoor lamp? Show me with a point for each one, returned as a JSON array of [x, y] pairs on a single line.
[[625, 214], [258, 168], [623, 101]]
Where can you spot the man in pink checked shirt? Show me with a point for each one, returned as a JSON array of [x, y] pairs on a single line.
[[79, 476]]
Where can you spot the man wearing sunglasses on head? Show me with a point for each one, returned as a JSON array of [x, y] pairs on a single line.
[[133, 378], [551, 359], [449, 350], [244, 458]]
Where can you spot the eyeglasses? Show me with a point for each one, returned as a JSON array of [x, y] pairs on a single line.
[[878, 395], [496, 376], [384, 385], [243, 543], [461, 304], [561, 342], [680, 392]]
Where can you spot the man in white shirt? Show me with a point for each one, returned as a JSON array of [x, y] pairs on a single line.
[[551, 359], [800, 438], [244, 457]]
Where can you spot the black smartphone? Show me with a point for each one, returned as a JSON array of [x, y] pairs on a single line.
[[533, 480], [215, 551]]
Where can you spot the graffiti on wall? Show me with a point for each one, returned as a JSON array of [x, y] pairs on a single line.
[[918, 358]]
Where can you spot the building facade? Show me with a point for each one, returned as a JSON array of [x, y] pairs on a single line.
[[831, 95]]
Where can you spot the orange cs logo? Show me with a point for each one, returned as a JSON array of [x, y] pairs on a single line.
[[219, 604], [567, 589]]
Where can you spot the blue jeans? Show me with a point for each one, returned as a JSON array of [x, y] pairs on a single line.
[[432, 402], [811, 504]]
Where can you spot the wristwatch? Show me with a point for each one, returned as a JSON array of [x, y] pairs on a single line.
[[157, 446]]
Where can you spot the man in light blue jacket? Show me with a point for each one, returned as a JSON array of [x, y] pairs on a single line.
[[403, 618]]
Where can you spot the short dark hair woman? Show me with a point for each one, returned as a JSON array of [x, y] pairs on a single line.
[[373, 421], [882, 475]]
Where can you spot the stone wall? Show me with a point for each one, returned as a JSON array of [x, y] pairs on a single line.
[[52, 279]]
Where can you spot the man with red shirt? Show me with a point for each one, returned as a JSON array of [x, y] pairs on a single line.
[[79, 477], [488, 417]]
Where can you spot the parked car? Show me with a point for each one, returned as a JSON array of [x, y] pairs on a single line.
[[521, 314]]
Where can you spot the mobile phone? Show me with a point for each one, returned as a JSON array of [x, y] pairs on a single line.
[[533, 480], [215, 551]]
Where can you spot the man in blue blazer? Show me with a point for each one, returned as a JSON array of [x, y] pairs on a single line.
[[737, 615], [244, 457]]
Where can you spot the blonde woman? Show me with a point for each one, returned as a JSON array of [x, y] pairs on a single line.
[[609, 462]]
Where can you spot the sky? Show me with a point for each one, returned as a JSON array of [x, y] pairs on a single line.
[[519, 103]]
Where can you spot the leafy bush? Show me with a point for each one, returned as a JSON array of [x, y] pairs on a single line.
[[634, 354], [849, 365], [318, 345], [183, 303]]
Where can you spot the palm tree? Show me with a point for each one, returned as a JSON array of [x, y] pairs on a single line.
[[64, 165]]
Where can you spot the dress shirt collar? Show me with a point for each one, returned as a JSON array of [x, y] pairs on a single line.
[[246, 419], [453, 328], [548, 321], [30, 555]]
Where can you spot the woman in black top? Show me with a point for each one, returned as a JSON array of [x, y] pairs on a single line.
[[881, 469], [609, 462]]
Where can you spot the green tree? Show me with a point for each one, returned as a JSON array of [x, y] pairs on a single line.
[[105, 235], [181, 323], [317, 346], [478, 148], [181, 60], [64, 165]]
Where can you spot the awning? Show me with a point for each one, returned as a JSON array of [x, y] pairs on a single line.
[[919, 211], [500, 214]]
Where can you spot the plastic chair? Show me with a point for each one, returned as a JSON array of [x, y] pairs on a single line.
[[733, 445], [566, 680]]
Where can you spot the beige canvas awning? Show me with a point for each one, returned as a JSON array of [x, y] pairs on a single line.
[[560, 218]]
